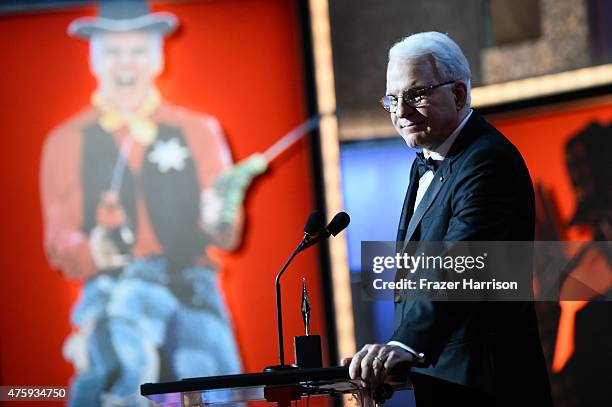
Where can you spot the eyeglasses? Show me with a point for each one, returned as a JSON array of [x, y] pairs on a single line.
[[413, 97]]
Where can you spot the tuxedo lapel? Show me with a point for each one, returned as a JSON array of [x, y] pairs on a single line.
[[408, 206], [440, 178]]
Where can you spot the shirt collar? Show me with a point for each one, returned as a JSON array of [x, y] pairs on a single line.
[[440, 152]]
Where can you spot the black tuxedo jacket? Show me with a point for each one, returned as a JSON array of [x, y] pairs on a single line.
[[481, 192]]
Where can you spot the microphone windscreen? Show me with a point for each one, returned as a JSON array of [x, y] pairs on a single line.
[[338, 223], [314, 223]]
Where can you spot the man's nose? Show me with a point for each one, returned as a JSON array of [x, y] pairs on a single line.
[[404, 109], [125, 58]]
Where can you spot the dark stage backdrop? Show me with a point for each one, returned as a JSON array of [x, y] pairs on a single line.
[[567, 150], [239, 60]]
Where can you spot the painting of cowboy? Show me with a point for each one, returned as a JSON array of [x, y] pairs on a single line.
[[130, 207]]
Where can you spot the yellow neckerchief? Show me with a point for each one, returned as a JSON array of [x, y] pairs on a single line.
[[141, 127]]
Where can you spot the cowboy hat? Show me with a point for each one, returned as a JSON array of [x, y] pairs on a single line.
[[123, 16]]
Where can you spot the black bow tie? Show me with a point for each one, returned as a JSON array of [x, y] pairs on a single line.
[[426, 164]]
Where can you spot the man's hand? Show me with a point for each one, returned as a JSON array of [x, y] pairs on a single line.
[[221, 203], [104, 251], [111, 239], [377, 364]]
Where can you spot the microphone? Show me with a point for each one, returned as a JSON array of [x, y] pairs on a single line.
[[313, 225], [338, 223], [312, 230], [313, 233]]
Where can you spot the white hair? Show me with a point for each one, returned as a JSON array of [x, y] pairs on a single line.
[[96, 49], [449, 59]]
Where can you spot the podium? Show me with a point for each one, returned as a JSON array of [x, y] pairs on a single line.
[[280, 387], [280, 384]]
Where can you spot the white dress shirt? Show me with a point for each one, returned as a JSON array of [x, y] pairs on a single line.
[[438, 154]]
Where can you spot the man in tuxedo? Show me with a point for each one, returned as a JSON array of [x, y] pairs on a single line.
[[468, 184]]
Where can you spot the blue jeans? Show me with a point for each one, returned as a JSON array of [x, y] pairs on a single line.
[[144, 322]]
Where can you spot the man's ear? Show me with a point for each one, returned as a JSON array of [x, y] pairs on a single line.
[[460, 94]]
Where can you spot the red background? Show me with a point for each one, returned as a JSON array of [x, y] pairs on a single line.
[[541, 136], [239, 60]]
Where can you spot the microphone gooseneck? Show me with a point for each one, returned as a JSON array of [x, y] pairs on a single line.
[[313, 233]]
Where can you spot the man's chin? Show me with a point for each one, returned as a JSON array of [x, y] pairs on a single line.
[[414, 139], [127, 100]]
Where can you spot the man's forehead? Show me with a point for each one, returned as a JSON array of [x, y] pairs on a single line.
[[125, 37]]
